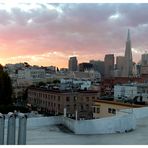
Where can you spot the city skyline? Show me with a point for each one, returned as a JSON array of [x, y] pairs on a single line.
[[48, 34]]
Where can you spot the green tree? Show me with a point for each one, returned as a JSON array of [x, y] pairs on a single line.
[[56, 81], [5, 88]]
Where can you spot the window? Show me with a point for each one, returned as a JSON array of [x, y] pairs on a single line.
[[109, 110], [58, 98], [94, 109], [93, 98], [74, 98], [58, 106], [67, 107], [87, 106], [98, 110], [87, 99], [45, 95], [113, 111], [67, 99], [82, 107], [49, 97]]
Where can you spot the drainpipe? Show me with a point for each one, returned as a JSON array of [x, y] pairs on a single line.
[[22, 129], [76, 115], [64, 111], [11, 129], [2, 127]]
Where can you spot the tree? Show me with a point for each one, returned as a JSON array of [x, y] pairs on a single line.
[[56, 81], [5, 88], [1, 67]]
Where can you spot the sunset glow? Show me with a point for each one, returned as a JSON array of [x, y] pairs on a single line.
[[48, 34]]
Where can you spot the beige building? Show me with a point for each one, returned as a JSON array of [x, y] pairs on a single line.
[[103, 108]]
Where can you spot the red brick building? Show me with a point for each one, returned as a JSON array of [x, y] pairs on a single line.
[[54, 101]]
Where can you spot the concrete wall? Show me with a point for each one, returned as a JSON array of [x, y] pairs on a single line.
[[36, 122], [42, 121], [119, 123], [139, 112]]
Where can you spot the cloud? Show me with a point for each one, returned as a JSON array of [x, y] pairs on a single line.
[[89, 30]]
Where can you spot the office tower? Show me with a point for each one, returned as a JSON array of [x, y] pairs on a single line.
[[98, 66], [120, 65], [73, 64], [144, 64], [144, 59], [128, 63], [109, 65], [85, 67]]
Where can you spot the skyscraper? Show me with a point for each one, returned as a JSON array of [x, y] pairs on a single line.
[[120, 65], [85, 67], [73, 63], [128, 63], [109, 65], [98, 66], [144, 64]]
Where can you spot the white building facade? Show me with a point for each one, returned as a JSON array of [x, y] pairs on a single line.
[[130, 91]]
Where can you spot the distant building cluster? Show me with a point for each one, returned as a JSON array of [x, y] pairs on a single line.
[[84, 90]]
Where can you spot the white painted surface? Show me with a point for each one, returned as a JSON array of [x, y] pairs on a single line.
[[105, 125], [139, 112], [120, 123]]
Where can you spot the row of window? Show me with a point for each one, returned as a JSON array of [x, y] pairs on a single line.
[[112, 110], [41, 103], [45, 103], [96, 109], [41, 95], [54, 97]]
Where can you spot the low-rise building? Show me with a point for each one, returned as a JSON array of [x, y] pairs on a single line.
[[82, 84], [104, 108], [54, 101], [130, 91]]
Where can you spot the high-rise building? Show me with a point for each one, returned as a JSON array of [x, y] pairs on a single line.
[[73, 64], [98, 66], [120, 65], [109, 65], [85, 67], [128, 63], [144, 64], [144, 59]]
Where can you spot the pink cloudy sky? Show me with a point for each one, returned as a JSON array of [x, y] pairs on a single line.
[[48, 34]]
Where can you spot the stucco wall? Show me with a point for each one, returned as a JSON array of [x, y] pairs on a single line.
[[119, 123], [139, 112]]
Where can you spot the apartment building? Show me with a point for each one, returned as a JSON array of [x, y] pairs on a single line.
[[54, 101]]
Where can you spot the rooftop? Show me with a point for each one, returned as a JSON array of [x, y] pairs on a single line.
[[63, 91], [118, 103], [60, 136]]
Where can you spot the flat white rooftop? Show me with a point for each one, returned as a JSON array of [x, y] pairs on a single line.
[[54, 136]]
